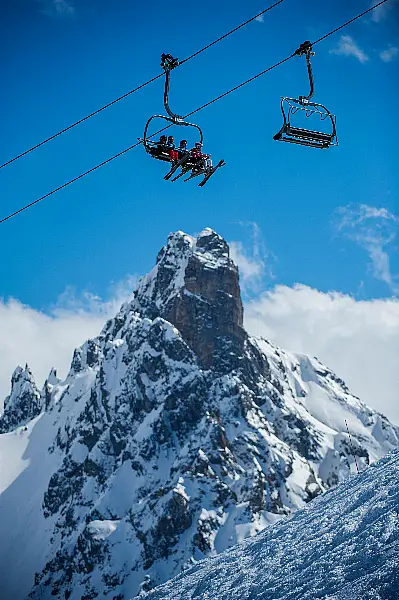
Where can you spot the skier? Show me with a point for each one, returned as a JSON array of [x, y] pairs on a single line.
[[202, 161], [159, 147], [182, 149], [174, 155]]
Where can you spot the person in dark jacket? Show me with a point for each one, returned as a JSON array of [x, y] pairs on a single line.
[[182, 149], [159, 147], [162, 144]]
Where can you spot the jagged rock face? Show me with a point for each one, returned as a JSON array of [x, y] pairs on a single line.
[[24, 402], [175, 436], [199, 293]]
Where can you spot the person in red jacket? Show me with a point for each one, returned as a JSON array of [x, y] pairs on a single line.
[[174, 155]]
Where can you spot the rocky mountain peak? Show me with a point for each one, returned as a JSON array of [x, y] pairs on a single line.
[[173, 436], [195, 286], [52, 378], [21, 375], [24, 402]]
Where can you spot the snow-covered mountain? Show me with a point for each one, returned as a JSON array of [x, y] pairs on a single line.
[[342, 546], [174, 436]]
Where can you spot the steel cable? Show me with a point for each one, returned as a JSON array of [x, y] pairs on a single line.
[[188, 115], [182, 62]]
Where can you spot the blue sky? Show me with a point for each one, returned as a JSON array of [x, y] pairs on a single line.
[[64, 60], [284, 206]]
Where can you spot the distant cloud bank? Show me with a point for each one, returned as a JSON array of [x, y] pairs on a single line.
[[46, 340], [359, 340]]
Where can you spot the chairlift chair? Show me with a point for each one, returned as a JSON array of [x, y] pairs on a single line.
[[289, 106], [167, 63]]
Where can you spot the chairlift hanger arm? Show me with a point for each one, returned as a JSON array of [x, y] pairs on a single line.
[[176, 118], [311, 79], [168, 63], [306, 49]]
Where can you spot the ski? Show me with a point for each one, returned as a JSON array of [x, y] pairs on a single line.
[[194, 175], [221, 163], [179, 163], [180, 175]]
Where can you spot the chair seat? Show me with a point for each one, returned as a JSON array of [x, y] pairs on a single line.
[[161, 156], [309, 134], [303, 142]]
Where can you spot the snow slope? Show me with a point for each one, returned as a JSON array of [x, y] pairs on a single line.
[[28, 457], [342, 546]]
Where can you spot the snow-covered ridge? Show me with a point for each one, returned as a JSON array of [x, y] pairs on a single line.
[[343, 546], [174, 436]]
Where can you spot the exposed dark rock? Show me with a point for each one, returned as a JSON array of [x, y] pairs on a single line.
[[175, 520], [206, 308], [24, 402]]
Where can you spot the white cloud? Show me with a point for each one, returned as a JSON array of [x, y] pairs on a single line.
[[250, 269], [359, 340], [48, 340], [389, 54], [348, 47], [57, 8], [375, 230], [63, 8], [254, 261], [260, 19], [380, 12]]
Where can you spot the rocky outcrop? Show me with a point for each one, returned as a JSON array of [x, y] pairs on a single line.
[[199, 294], [24, 402]]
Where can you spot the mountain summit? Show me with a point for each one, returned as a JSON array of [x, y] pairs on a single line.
[[174, 436], [194, 286]]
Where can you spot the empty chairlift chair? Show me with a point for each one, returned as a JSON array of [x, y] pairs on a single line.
[[290, 106]]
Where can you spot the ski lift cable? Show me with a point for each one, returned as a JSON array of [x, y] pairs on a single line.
[[105, 162], [83, 119]]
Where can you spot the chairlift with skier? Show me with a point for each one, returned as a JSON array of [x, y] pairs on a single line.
[[165, 150]]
